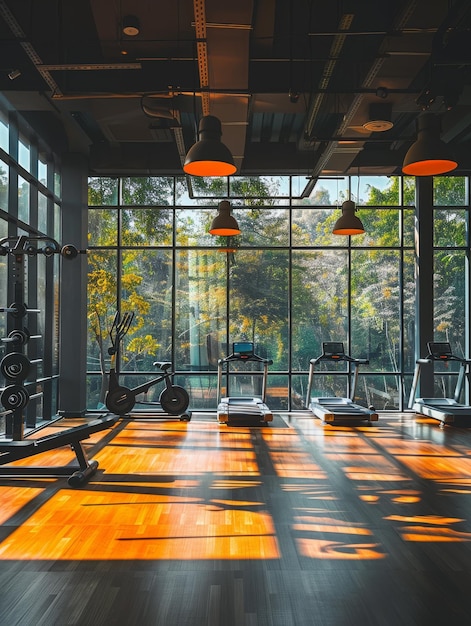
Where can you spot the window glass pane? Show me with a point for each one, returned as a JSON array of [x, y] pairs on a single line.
[[449, 190], [319, 302], [450, 298], [102, 305], [182, 195], [449, 227], [382, 228], [381, 391], [103, 227], [277, 393], [42, 170], [146, 227], [4, 134], [375, 308], [326, 192], [23, 199], [376, 190], [24, 154], [203, 187], [57, 230], [408, 186], [262, 226], [408, 295], [260, 187], [408, 216], [102, 191], [258, 302], [312, 227], [3, 186], [146, 290], [57, 184], [42, 213], [155, 190], [200, 312], [192, 227]]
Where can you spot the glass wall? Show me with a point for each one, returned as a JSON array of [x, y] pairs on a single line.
[[29, 215], [286, 282]]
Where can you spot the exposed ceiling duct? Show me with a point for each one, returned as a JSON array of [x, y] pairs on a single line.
[[300, 88]]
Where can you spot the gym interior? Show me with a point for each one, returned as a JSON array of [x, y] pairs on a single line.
[[237, 395]]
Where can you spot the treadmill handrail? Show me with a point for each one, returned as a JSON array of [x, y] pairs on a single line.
[[343, 357], [236, 356]]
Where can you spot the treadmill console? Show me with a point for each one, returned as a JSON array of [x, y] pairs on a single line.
[[439, 350], [243, 349], [333, 350]]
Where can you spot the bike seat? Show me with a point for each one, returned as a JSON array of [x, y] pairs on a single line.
[[162, 365]]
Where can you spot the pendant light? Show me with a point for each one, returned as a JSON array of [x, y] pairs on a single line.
[[224, 223], [209, 156], [429, 155], [348, 223], [131, 26]]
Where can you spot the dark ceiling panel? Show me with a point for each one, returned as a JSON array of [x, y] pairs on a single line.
[[291, 81]]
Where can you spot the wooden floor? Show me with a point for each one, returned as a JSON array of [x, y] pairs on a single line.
[[200, 524]]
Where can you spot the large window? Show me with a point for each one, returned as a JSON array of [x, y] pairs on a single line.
[[29, 208], [286, 282]]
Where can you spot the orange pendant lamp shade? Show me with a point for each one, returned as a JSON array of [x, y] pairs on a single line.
[[429, 155], [209, 156], [348, 223], [224, 223]]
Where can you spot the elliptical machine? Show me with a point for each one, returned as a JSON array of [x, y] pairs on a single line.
[[120, 400]]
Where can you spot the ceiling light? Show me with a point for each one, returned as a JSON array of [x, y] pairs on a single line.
[[429, 155], [131, 26], [379, 118], [14, 74], [224, 223], [348, 223], [209, 156]]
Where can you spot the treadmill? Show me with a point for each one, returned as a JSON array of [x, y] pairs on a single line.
[[336, 409], [446, 410], [243, 409]]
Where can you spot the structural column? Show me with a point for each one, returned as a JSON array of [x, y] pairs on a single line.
[[73, 289]]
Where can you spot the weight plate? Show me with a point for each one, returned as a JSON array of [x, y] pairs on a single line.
[[19, 309], [69, 251], [15, 366], [20, 337], [174, 400], [14, 397], [120, 401]]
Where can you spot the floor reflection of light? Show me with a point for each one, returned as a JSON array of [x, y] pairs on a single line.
[[437, 520], [405, 496], [12, 499], [428, 528], [326, 549], [426, 534], [93, 525], [438, 467]]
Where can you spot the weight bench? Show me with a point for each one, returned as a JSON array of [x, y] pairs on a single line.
[[15, 450]]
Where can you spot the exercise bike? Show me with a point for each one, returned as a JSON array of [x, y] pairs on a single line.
[[120, 400]]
